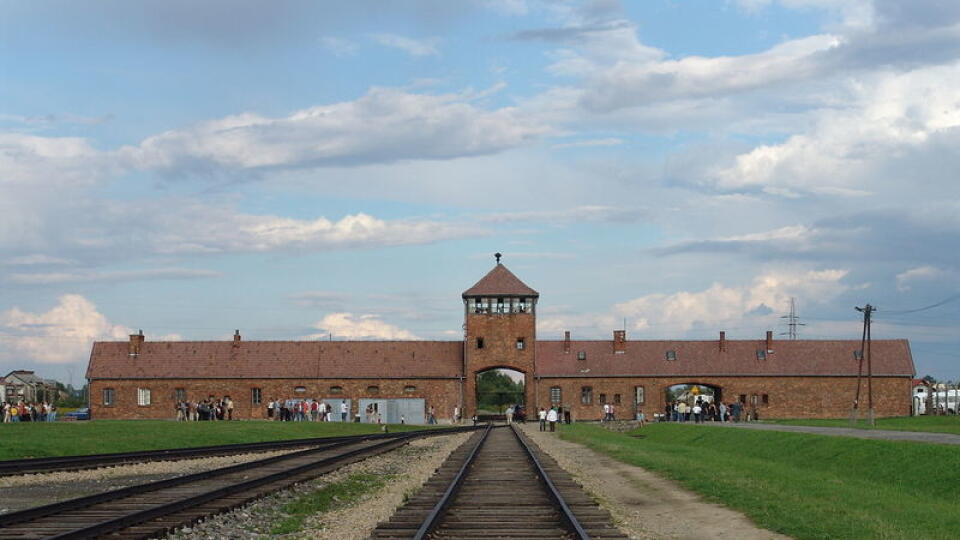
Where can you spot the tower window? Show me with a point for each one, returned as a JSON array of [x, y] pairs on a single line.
[[479, 342], [499, 305], [671, 355], [520, 343], [761, 354], [582, 355]]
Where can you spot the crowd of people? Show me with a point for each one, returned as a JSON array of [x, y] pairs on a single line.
[[208, 409], [702, 410], [29, 412], [313, 410]]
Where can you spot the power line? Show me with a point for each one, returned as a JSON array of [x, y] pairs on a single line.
[[925, 308]]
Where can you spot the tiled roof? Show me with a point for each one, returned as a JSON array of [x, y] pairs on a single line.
[[277, 359], [704, 358], [500, 282]]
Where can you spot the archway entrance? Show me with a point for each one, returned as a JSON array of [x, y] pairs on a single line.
[[682, 397], [498, 390]]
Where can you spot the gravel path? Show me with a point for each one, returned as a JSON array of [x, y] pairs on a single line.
[[27, 491], [645, 505], [410, 467], [888, 435]]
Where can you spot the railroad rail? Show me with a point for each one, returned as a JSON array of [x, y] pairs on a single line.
[[94, 461], [155, 508], [499, 485]]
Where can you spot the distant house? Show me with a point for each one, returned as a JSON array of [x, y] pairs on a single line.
[[25, 385]]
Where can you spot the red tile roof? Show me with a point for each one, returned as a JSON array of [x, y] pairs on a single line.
[[704, 358], [277, 359], [500, 282]]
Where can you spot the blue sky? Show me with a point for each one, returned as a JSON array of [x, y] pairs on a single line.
[[302, 169]]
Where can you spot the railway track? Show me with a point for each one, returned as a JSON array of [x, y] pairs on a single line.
[[153, 509], [74, 463], [499, 485]]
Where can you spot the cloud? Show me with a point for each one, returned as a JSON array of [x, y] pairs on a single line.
[[35, 259], [384, 126], [719, 304], [919, 273], [413, 47], [338, 46], [59, 336], [578, 214], [358, 327], [590, 143], [320, 299], [111, 277]]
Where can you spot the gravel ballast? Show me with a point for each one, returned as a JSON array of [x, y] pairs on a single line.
[[409, 467]]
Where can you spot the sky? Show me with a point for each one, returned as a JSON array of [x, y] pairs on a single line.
[[344, 170]]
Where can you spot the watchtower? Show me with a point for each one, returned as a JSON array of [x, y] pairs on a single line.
[[500, 331]]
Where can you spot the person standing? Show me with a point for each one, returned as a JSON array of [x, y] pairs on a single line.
[[697, 413], [552, 419], [542, 416], [510, 414], [229, 404], [344, 409]]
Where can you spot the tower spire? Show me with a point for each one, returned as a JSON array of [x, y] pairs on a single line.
[[498, 255]]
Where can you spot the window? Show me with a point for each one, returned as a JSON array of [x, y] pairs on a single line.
[[555, 394], [143, 397], [373, 389], [603, 398], [519, 343], [761, 354], [479, 342], [499, 305], [582, 355], [410, 389], [522, 305], [671, 355], [858, 354], [180, 394], [753, 400], [586, 395], [336, 389], [616, 399], [765, 399], [639, 394], [743, 399], [108, 396], [300, 389], [256, 396]]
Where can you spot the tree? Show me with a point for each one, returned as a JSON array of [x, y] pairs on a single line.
[[496, 390], [929, 380]]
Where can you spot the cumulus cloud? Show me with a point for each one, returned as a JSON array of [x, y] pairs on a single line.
[[721, 304], [357, 327], [384, 126], [59, 336], [578, 214]]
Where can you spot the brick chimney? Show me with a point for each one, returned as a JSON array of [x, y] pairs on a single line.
[[566, 341], [236, 338], [723, 341], [136, 342], [619, 341], [769, 341]]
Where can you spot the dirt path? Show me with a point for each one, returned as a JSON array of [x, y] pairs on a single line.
[[643, 504]]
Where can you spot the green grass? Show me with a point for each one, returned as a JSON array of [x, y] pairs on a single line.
[[938, 424], [42, 439], [805, 486], [332, 496]]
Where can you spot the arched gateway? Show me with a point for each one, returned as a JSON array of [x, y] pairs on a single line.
[[500, 330]]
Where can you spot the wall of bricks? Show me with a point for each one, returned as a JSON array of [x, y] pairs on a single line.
[[442, 394], [788, 397], [499, 333]]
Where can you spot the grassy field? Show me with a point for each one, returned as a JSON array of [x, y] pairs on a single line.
[[939, 424], [805, 486], [41, 439]]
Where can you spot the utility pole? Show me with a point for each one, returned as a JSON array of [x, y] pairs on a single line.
[[793, 320], [867, 312]]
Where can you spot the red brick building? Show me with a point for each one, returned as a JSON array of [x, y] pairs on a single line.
[[778, 379]]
